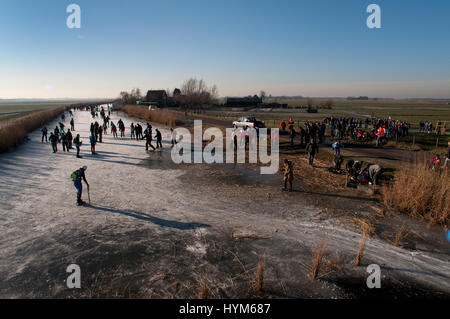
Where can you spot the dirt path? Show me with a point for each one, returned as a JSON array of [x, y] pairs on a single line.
[[156, 230]]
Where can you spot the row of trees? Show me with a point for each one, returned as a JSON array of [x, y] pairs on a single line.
[[193, 93], [196, 93], [132, 97]]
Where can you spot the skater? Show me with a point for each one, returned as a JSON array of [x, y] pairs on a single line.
[[288, 174], [100, 134], [69, 139], [132, 130], [114, 130], [174, 136], [121, 128], [92, 129], [44, 134], [148, 139], [93, 142], [96, 127], [158, 137], [312, 149], [65, 143], [77, 176], [138, 131], [72, 124], [54, 141], [56, 132], [77, 142]]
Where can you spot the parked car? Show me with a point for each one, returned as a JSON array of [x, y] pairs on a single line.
[[248, 121], [312, 110]]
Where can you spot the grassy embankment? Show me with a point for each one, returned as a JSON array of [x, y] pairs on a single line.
[[166, 117], [14, 131]]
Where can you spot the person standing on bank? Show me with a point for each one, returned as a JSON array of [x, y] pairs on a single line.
[[312, 149], [288, 174]]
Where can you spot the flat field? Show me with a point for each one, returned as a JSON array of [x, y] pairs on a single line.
[[412, 111]]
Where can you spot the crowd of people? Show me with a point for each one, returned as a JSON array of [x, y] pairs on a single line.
[[59, 136], [427, 127], [313, 133], [97, 131], [380, 130]]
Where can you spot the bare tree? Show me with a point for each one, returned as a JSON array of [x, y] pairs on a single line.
[[132, 97], [262, 95], [329, 103], [196, 93]]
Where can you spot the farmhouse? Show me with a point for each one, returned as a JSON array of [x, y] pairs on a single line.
[[158, 98]]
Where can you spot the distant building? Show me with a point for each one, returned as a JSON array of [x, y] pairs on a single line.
[[243, 101], [157, 97], [363, 98]]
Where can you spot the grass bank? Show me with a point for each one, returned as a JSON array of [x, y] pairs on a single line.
[[162, 116], [14, 131]]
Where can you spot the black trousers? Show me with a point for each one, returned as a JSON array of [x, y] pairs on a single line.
[[65, 146], [158, 144], [44, 136], [285, 184], [55, 147], [147, 144]]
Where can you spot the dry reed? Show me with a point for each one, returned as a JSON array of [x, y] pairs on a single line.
[[14, 131], [420, 192]]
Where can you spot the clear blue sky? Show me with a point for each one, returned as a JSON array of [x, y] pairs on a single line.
[[298, 47]]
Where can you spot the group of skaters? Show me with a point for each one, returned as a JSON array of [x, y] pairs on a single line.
[[60, 136]]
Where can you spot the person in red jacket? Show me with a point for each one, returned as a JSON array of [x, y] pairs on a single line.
[[380, 135], [283, 125], [435, 162], [291, 123]]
